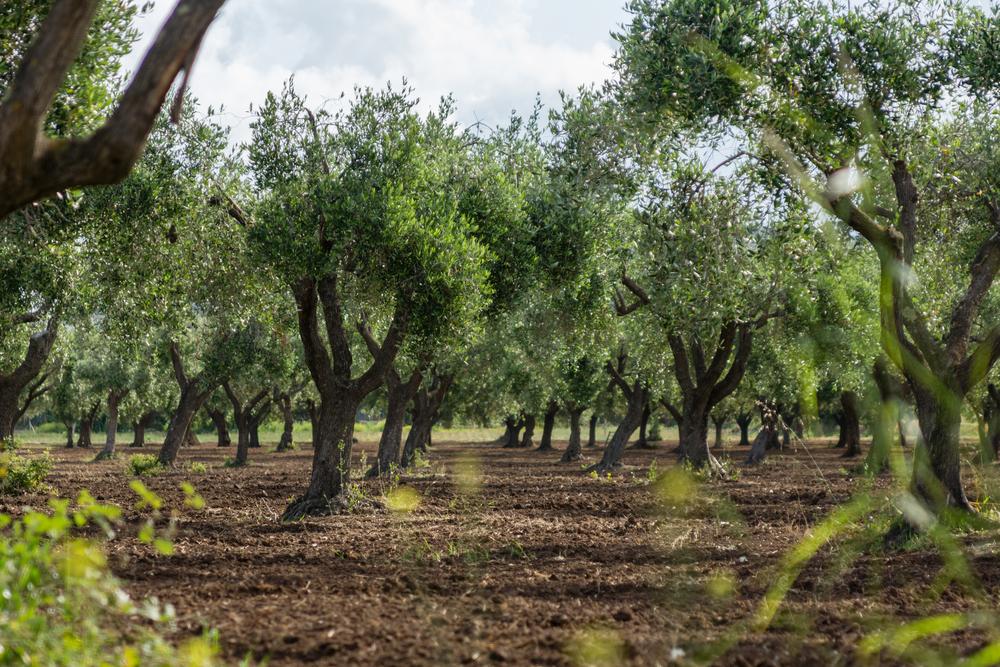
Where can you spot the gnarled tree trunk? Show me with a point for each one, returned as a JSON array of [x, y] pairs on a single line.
[[330, 366], [70, 425]]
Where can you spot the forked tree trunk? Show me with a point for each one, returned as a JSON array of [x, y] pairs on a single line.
[[850, 424], [744, 420], [573, 451], [592, 432], [528, 438], [87, 426], [139, 429], [218, 417], [514, 427], [330, 366], [705, 382], [637, 395], [400, 394], [547, 425], [111, 431]]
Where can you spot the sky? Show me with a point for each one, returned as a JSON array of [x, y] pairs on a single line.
[[493, 55]]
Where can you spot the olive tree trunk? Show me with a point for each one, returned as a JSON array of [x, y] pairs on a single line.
[[573, 450], [528, 438], [549, 422], [139, 429], [400, 394], [850, 424], [111, 430]]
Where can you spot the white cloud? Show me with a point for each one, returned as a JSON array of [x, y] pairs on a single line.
[[492, 54]]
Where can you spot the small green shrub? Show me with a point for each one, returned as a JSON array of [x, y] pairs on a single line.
[[21, 475], [61, 606], [145, 465], [198, 467]]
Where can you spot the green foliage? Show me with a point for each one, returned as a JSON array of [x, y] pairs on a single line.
[[61, 606], [144, 465], [19, 474]]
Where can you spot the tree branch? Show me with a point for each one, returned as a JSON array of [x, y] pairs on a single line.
[[983, 272], [33, 166]]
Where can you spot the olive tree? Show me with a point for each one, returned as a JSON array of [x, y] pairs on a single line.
[[356, 209], [858, 107]]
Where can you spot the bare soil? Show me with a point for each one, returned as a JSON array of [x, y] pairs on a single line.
[[536, 563]]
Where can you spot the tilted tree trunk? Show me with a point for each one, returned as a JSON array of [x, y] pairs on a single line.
[[548, 424], [139, 429], [637, 395], [573, 450], [592, 432], [400, 395], [87, 426], [744, 420], [111, 430], [528, 437], [766, 437], [330, 366], [221, 424], [13, 383], [850, 423], [194, 392]]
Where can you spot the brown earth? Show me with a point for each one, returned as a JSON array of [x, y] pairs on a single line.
[[531, 563]]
